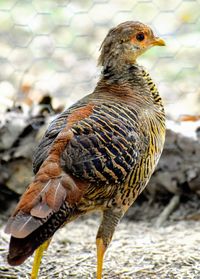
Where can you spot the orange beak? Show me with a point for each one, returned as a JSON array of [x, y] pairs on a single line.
[[158, 42]]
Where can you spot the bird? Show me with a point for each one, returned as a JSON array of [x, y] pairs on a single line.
[[97, 155]]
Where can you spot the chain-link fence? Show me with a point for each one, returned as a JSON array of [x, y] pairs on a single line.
[[51, 47]]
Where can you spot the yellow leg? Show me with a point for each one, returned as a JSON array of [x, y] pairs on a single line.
[[100, 254], [38, 258], [104, 235]]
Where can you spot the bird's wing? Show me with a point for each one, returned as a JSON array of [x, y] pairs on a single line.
[[56, 126], [105, 146]]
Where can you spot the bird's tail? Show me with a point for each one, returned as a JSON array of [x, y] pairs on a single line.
[[48, 202], [21, 248]]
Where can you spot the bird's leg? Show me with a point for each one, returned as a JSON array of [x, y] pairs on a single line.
[[110, 220], [38, 258]]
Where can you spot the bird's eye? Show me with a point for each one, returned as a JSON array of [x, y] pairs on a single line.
[[140, 36]]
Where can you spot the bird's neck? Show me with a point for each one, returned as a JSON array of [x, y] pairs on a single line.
[[135, 79], [120, 73]]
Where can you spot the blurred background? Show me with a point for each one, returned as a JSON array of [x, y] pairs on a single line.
[[51, 48], [48, 60]]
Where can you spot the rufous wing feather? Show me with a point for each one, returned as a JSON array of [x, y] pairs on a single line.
[[43, 203], [22, 225]]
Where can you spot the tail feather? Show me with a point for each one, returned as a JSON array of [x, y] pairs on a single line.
[[38, 204], [50, 199], [21, 248], [42, 209], [56, 194], [22, 225]]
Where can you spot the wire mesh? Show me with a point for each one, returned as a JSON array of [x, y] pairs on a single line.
[[51, 47]]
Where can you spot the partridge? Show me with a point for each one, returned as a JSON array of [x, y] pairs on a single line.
[[98, 154]]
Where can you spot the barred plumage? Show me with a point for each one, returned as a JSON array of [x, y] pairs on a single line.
[[97, 155]]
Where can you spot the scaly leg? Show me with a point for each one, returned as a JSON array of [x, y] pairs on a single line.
[[110, 220], [38, 258]]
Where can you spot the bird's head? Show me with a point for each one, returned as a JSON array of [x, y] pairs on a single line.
[[127, 41]]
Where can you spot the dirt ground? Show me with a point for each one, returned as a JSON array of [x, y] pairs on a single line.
[[139, 249]]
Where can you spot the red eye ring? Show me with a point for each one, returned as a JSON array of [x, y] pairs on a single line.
[[140, 36]]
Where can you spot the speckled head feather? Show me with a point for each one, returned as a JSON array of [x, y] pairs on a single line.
[[125, 42]]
